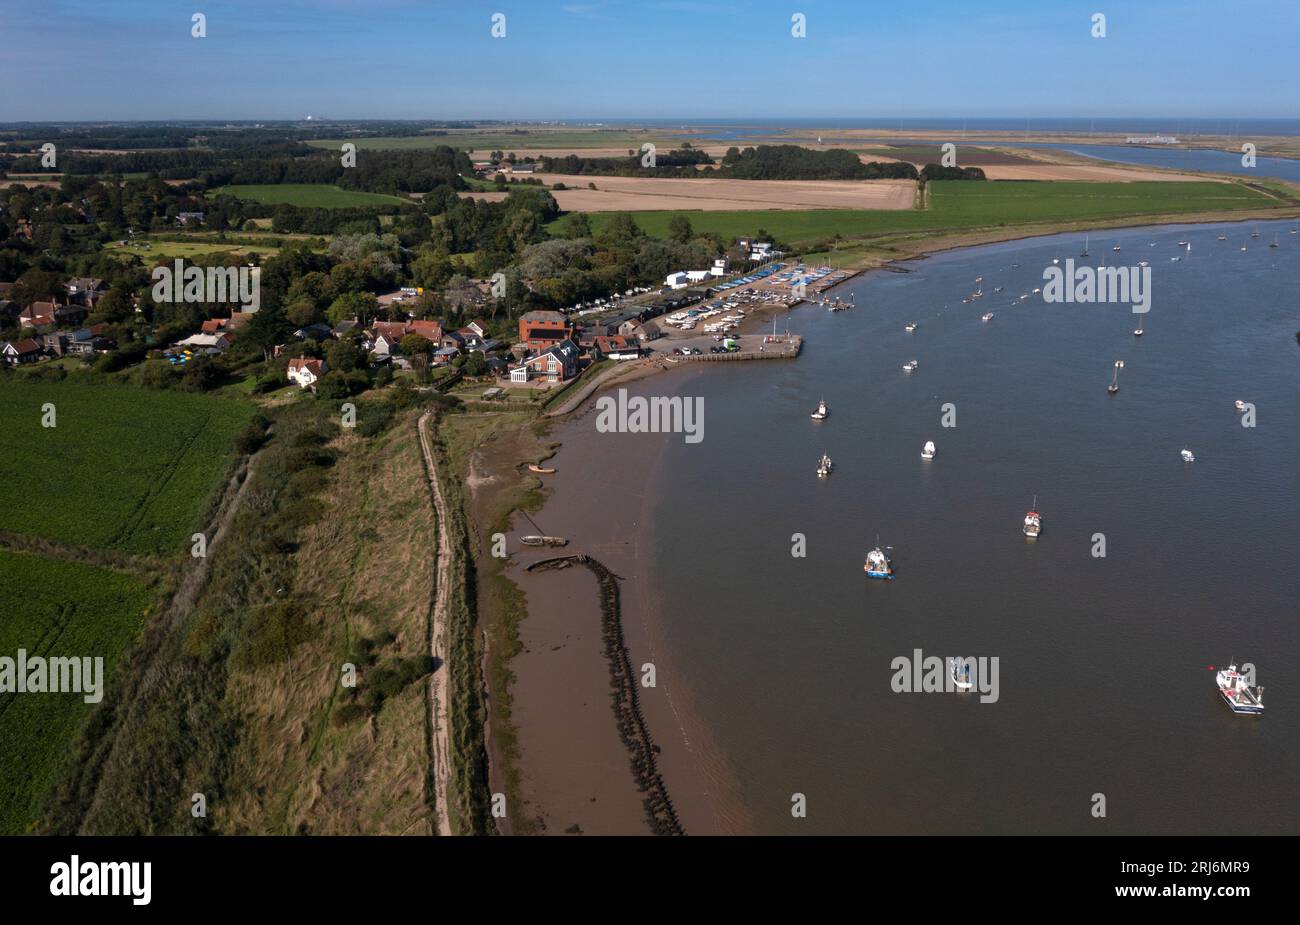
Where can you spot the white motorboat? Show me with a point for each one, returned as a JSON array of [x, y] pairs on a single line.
[[1240, 405], [910, 327], [986, 317], [1237, 692], [824, 466], [822, 412], [910, 366], [927, 451], [1188, 455]]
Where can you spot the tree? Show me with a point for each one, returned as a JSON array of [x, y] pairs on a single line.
[[344, 355], [352, 305], [679, 229], [416, 345]]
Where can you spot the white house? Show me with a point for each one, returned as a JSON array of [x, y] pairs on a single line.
[[719, 267], [697, 276], [306, 371], [678, 280], [762, 251]]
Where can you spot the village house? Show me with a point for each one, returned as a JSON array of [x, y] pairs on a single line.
[[432, 330], [27, 350], [541, 330], [678, 280], [555, 364], [317, 332], [231, 324], [616, 347], [306, 372], [646, 331], [85, 291], [82, 342], [44, 314], [385, 345]]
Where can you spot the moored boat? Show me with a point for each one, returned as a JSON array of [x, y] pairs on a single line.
[[986, 317], [1033, 521], [1188, 456], [824, 466], [910, 366], [878, 565], [927, 451], [822, 412], [1237, 692], [544, 541], [910, 327]]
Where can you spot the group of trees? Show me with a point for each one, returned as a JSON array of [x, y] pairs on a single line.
[[679, 162]]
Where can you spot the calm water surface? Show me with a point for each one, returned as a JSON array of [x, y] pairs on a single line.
[[1104, 680]]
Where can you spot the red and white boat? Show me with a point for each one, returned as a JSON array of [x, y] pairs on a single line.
[[1033, 521], [1237, 692]]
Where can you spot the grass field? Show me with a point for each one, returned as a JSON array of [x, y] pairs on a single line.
[[957, 205], [307, 195], [123, 468], [64, 609], [172, 249]]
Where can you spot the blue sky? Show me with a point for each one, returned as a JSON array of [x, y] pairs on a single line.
[[597, 59]]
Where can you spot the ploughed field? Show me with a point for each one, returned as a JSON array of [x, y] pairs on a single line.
[[127, 469]]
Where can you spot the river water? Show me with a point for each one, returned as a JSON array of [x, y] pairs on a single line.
[[1104, 684]]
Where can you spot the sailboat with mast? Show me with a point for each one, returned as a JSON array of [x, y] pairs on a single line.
[[1114, 382], [1085, 246], [1033, 521]]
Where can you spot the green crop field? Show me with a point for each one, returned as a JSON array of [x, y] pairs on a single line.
[[64, 609], [307, 195], [122, 468], [957, 205]]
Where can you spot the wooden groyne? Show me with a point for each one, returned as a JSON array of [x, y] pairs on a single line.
[[660, 814]]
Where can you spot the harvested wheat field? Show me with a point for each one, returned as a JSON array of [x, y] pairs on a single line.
[[633, 194]]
